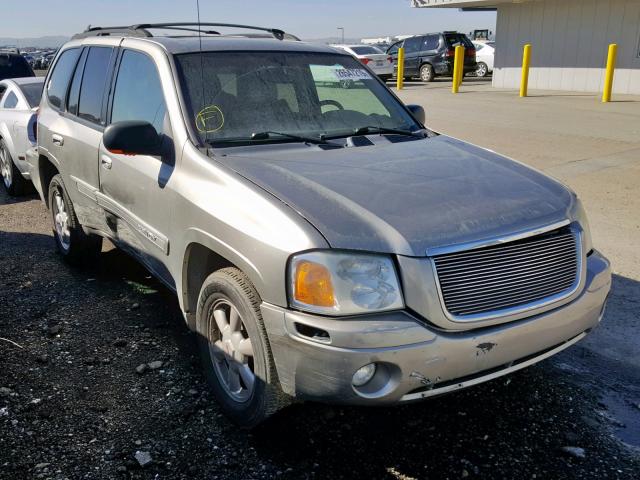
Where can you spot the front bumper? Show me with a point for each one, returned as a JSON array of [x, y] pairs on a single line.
[[316, 356]]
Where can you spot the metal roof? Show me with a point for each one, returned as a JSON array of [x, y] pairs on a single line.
[[458, 3]]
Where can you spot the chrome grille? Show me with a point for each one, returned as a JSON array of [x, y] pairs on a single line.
[[509, 275]]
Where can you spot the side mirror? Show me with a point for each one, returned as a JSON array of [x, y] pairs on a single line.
[[418, 113], [132, 137]]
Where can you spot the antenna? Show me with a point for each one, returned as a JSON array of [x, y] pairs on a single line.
[[201, 59]]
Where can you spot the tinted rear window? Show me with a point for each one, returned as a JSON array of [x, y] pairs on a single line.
[[366, 50], [59, 80], [93, 83], [455, 39], [14, 66], [33, 92]]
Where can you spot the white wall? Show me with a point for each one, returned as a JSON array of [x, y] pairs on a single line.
[[570, 40]]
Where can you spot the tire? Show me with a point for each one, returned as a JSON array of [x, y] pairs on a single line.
[[236, 354], [427, 73], [75, 246], [482, 70], [14, 183]]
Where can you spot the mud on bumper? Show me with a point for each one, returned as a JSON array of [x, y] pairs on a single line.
[[316, 357]]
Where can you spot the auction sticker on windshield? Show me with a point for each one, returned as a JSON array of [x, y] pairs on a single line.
[[335, 73], [351, 74]]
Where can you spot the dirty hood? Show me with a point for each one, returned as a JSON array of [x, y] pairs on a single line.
[[405, 197]]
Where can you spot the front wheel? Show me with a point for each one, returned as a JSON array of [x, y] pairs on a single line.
[[235, 349], [73, 243]]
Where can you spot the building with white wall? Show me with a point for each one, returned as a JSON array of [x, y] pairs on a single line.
[[570, 39]]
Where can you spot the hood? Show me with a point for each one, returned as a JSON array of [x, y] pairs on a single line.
[[406, 197]]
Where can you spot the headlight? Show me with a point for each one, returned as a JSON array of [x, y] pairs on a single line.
[[335, 283], [581, 217]]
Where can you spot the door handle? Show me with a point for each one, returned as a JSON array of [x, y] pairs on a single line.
[[106, 162], [57, 139]]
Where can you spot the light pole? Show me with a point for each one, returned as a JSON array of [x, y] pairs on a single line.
[[342, 30]]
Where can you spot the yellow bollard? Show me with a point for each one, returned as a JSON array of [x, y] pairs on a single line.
[[458, 68], [461, 68], [526, 61], [608, 79], [400, 72]]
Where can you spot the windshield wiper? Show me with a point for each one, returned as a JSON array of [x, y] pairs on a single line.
[[267, 135], [396, 131]]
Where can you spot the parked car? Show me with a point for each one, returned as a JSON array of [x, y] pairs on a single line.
[[484, 58], [323, 243], [379, 62], [431, 55], [13, 65], [18, 99]]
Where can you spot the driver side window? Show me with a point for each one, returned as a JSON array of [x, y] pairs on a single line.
[[138, 93]]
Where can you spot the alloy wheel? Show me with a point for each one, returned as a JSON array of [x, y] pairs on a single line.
[[232, 352], [481, 71], [61, 220], [5, 167]]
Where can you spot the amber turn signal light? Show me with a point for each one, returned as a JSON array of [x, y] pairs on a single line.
[[312, 285]]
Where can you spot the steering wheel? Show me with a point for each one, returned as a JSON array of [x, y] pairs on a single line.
[[333, 103]]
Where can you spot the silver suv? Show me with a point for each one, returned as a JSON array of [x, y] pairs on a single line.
[[322, 242]]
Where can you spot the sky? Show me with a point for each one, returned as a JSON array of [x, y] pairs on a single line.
[[305, 18]]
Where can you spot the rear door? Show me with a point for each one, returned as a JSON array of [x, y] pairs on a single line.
[[132, 187], [429, 49], [85, 114]]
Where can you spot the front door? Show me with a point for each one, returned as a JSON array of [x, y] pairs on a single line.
[[133, 188], [412, 56]]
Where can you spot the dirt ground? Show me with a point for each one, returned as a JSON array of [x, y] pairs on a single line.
[[73, 405]]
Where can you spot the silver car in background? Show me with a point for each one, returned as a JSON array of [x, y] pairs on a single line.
[[379, 62], [19, 97], [322, 243]]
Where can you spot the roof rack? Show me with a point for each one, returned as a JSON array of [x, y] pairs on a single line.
[[142, 29]]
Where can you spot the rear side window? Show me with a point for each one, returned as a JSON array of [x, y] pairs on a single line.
[[431, 42], [14, 66], [59, 80], [11, 101], [138, 93], [32, 92], [96, 70]]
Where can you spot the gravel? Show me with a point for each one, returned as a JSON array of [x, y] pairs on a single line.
[[74, 405]]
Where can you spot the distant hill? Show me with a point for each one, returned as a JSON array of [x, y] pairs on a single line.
[[330, 40], [42, 42]]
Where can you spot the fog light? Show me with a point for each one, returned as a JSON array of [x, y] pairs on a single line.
[[363, 375]]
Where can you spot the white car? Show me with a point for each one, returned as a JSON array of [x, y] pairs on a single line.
[[19, 99], [374, 58], [485, 52]]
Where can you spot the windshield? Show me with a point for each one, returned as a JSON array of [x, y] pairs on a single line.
[[32, 92], [231, 96]]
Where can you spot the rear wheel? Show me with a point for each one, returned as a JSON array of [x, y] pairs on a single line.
[[235, 350], [13, 181], [73, 243], [426, 73], [482, 70]]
